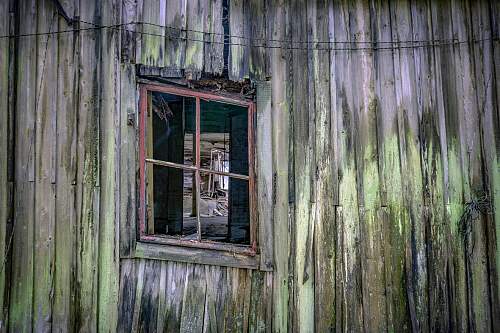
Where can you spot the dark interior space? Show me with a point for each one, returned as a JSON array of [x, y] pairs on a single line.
[[223, 205]]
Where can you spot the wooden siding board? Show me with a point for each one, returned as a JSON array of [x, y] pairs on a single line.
[[63, 317], [492, 134], [454, 117], [258, 43], [324, 214], [45, 156], [127, 300], [279, 167], [259, 303], [149, 299], [214, 50], [365, 109], [475, 256], [440, 225], [175, 42], [128, 159], [264, 166], [195, 255], [138, 27], [109, 214], [335, 141], [350, 314], [21, 298], [481, 269], [4, 151], [193, 303], [160, 322], [135, 315], [87, 179], [238, 284], [174, 293], [489, 119], [304, 127], [214, 283], [153, 32], [408, 129], [239, 32], [196, 23], [390, 216], [128, 35]]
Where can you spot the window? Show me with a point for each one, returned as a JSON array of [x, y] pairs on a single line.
[[196, 170]]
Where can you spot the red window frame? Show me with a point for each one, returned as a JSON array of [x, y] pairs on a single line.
[[198, 95]]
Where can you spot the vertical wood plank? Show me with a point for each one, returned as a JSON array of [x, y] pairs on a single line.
[[365, 109], [63, 318], [214, 49], [109, 214], [174, 295], [464, 162], [454, 189], [128, 286], [193, 302], [391, 214], [409, 147], [215, 284], [279, 183], [21, 298], [45, 156], [239, 48], [257, 59], [175, 42], [4, 151], [197, 20], [324, 215], [264, 166], [135, 316], [260, 294], [349, 294], [149, 298], [304, 136], [238, 284], [153, 32], [87, 179], [489, 121], [436, 172], [128, 159], [483, 312], [128, 36], [160, 320], [221, 306]]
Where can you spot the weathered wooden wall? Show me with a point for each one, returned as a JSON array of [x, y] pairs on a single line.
[[385, 123]]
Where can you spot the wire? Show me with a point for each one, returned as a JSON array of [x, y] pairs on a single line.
[[282, 40], [288, 45], [96, 27]]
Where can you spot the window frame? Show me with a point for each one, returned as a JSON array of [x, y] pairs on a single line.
[[199, 244]]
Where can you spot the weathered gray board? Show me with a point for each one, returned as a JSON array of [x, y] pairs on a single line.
[[372, 144]]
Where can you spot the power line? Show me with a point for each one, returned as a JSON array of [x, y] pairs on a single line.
[[280, 40], [286, 44]]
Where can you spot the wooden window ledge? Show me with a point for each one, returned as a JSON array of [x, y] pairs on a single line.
[[147, 250]]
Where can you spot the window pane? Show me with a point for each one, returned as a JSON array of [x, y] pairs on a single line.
[[224, 209], [172, 123], [224, 137], [173, 208]]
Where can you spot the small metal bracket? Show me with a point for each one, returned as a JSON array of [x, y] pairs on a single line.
[[131, 118]]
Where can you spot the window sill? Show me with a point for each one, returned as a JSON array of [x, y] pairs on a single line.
[[204, 244], [196, 255]]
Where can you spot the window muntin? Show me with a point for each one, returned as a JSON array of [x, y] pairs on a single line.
[[213, 129]]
